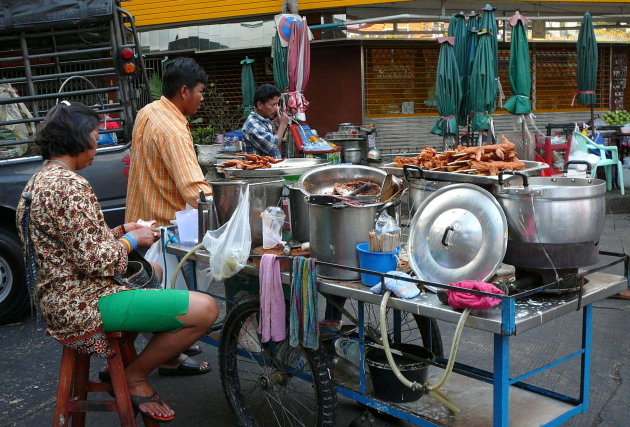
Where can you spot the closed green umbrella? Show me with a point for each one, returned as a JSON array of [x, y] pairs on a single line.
[[280, 72], [448, 89], [472, 27], [587, 63], [489, 22], [248, 87], [457, 29], [519, 72], [483, 84]]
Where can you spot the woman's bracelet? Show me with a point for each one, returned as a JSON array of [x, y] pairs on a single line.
[[130, 241], [125, 243]]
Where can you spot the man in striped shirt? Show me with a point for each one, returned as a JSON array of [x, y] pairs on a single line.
[[258, 131], [164, 174]]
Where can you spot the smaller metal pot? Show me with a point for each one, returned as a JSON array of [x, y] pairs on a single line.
[[352, 155], [419, 188]]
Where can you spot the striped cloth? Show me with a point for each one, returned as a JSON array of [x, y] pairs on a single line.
[[164, 173], [303, 324]]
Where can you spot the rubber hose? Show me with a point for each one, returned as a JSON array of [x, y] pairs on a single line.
[[181, 263], [432, 389]]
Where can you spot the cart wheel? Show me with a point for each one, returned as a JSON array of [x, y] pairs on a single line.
[[272, 383], [414, 329]]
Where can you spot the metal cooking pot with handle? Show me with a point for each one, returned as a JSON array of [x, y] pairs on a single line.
[[336, 229], [555, 210], [226, 196]]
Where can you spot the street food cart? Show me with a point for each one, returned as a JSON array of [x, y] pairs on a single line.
[[276, 383]]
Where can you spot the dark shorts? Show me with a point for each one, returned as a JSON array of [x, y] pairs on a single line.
[[144, 310]]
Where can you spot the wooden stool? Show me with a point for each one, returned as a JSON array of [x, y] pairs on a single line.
[[74, 385]]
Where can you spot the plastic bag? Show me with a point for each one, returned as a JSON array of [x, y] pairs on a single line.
[[18, 131], [230, 244], [272, 224], [386, 236], [386, 224], [157, 254]]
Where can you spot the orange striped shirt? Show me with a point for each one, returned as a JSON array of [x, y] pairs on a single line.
[[164, 175]]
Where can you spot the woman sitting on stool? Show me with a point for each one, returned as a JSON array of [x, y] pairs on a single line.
[[72, 258]]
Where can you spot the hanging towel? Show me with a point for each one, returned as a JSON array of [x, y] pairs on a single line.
[[475, 302], [303, 324], [272, 307]]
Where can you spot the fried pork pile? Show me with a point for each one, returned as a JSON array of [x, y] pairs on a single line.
[[250, 162], [484, 160], [348, 188]]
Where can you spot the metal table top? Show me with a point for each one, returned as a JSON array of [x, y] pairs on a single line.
[[530, 311]]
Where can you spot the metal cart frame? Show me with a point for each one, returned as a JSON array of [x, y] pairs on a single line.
[[514, 317]]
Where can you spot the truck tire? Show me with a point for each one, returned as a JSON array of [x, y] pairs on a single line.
[[13, 293]]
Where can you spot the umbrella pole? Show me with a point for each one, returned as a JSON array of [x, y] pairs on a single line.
[[592, 123]]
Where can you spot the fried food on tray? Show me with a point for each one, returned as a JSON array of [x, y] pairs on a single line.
[[484, 160], [251, 162], [345, 189]]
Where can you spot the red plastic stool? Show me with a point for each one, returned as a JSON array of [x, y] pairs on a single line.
[[74, 385]]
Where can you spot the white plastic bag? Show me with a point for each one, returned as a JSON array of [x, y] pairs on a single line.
[[272, 223], [229, 245], [157, 254]]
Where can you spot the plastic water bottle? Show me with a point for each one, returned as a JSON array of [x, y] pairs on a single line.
[[349, 350]]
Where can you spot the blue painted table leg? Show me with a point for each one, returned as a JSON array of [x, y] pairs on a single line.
[[501, 381], [586, 358], [362, 385]]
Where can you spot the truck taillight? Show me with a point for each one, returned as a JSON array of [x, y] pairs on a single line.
[[129, 68], [126, 54]]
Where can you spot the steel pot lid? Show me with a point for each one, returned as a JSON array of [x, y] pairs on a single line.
[[458, 233]]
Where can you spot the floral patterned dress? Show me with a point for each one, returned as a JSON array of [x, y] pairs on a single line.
[[76, 256]]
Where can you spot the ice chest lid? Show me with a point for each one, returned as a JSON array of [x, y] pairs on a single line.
[[459, 232]]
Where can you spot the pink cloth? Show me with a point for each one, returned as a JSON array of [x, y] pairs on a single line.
[[475, 302], [299, 56], [272, 307]]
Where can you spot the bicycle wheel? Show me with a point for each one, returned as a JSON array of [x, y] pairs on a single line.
[[414, 329], [272, 383]]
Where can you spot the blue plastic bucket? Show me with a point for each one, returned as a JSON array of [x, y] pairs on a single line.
[[375, 261]]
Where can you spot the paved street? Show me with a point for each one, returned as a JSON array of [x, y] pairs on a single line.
[[29, 364]]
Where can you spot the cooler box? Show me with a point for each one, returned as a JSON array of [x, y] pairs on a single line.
[[301, 133]]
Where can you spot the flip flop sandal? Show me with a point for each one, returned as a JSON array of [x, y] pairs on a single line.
[[186, 368], [193, 350], [136, 401]]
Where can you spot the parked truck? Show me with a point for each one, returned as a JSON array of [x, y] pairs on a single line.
[[51, 50]]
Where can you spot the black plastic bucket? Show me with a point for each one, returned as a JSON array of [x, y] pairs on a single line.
[[386, 385]]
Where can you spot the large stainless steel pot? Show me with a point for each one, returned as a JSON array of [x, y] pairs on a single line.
[[226, 195], [298, 210], [557, 210], [335, 232]]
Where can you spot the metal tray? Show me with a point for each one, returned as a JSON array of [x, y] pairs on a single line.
[[285, 167], [531, 169]]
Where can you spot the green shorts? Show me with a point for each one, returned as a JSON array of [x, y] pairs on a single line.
[[144, 310]]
